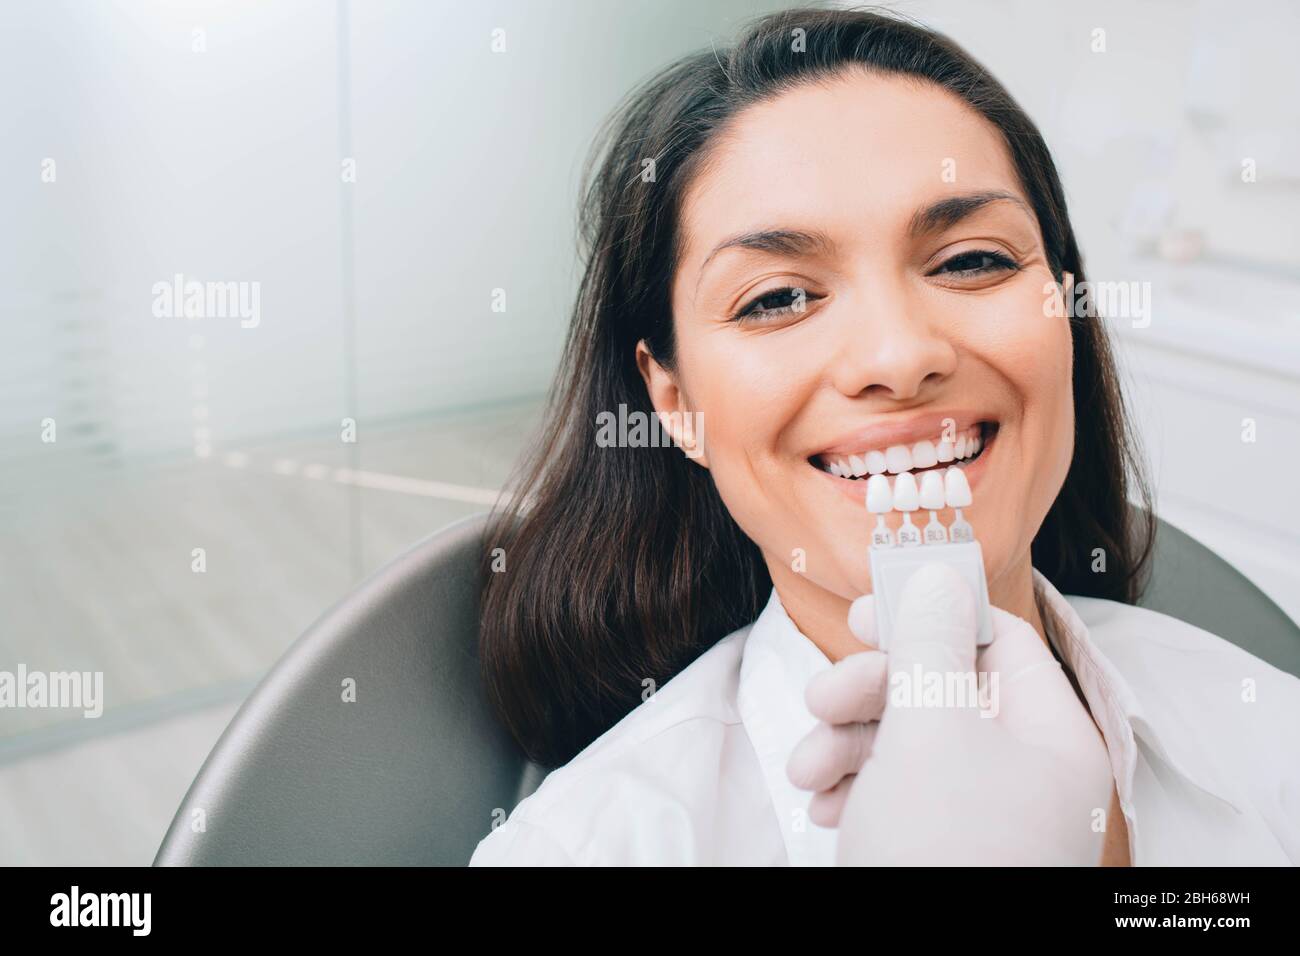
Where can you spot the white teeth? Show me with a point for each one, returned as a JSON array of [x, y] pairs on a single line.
[[901, 459], [906, 497], [932, 491], [898, 458], [880, 498], [956, 488], [939, 489]]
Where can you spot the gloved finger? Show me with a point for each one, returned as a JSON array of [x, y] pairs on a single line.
[[851, 691], [829, 753], [862, 619], [827, 806], [934, 635], [1031, 691], [935, 624], [1016, 647]]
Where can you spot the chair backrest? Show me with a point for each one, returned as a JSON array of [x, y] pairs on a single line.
[[410, 772], [1192, 583], [413, 771]]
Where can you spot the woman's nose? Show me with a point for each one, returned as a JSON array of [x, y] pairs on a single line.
[[892, 349]]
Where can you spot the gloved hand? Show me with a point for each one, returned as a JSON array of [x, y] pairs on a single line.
[[950, 784], [848, 699]]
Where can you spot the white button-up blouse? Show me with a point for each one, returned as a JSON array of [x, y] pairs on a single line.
[[1203, 737]]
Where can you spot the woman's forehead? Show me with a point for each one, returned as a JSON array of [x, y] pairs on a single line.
[[860, 151]]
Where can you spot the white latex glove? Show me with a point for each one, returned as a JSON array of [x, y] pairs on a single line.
[[944, 785], [848, 699]]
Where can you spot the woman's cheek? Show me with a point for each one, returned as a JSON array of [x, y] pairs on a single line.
[[725, 396], [1050, 390], [1045, 367], [747, 396]]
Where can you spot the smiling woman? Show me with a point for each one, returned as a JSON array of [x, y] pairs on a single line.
[[921, 295], [840, 267], [898, 187]]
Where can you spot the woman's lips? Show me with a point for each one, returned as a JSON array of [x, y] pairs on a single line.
[[905, 432], [856, 488]]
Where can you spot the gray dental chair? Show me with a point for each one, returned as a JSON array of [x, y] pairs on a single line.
[[412, 771]]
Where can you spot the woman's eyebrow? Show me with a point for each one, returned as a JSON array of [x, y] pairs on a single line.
[[953, 209], [789, 242]]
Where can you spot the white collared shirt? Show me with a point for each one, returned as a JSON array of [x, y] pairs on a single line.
[[1203, 738]]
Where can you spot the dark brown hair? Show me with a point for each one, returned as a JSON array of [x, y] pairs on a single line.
[[623, 564]]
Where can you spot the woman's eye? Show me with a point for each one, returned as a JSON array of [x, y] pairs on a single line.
[[976, 262], [777, 302]]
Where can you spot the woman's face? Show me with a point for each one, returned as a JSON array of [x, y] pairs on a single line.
[[897, 211]]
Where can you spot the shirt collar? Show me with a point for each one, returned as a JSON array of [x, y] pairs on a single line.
[[1116, 708], [777, 663]]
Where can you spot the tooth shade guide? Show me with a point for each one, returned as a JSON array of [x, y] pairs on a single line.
[[892, 567], [938, 490], [932, 491], [909, 535], [906, 494], [880, 501], [880, 497], [961, 532], [946, 487], [956, 488]]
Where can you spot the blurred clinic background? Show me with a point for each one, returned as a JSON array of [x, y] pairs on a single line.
[[380, 170]]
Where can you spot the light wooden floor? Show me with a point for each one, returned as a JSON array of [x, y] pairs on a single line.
[[96, 575]]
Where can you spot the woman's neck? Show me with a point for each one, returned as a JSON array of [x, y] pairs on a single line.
[[823, 616]]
